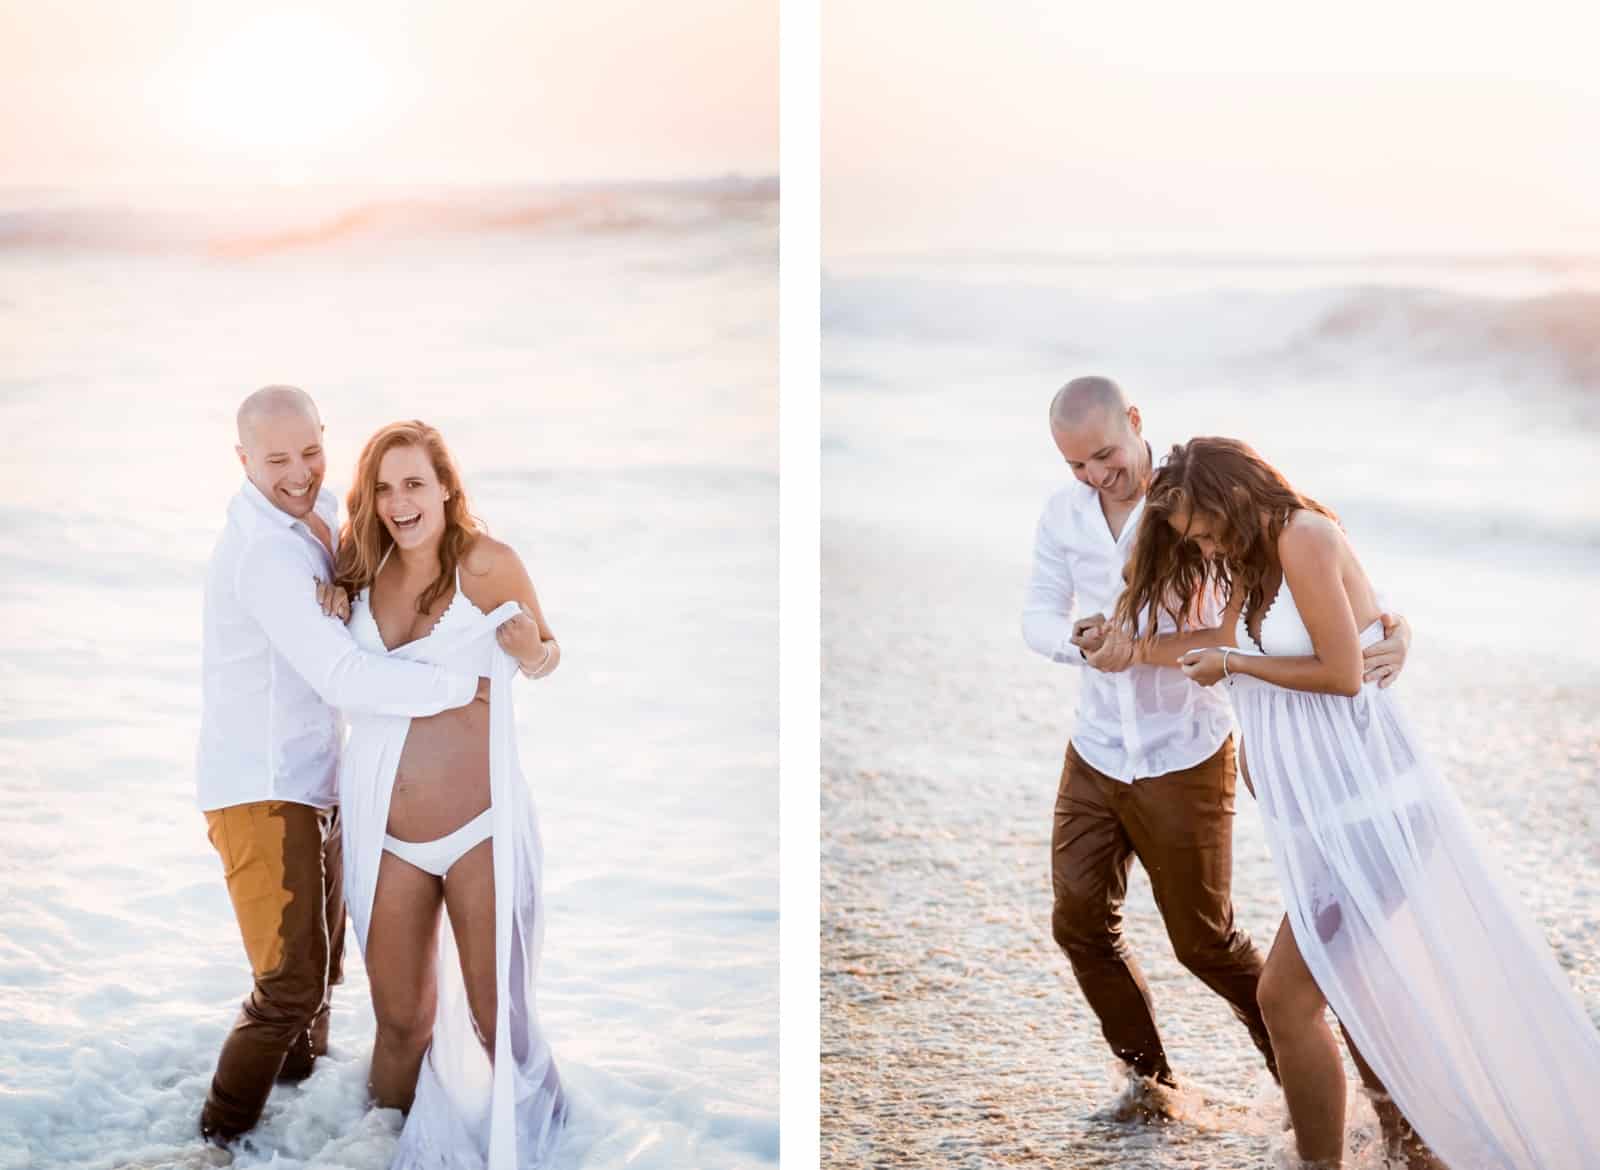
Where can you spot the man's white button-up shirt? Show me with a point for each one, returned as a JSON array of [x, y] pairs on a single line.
[[1143, 721], [272, 664]]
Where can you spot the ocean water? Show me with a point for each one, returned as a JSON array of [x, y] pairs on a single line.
[[1447, 409], [1450, 415], [603, 364]]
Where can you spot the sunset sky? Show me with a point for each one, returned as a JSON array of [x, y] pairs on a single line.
[[105, 93], [1043, 126]]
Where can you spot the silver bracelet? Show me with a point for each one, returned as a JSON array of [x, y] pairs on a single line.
[[549, 653], [1226, 650]]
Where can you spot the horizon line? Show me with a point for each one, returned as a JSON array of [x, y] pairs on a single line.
[[704, 177], [1263, 254]]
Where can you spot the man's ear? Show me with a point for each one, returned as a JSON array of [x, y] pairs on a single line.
[[244, 460], [1134, 421]]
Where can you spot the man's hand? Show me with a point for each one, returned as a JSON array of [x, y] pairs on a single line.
[[1115, 652], [1383, 661], [1088, 633], [335, 602], [1202, 666]]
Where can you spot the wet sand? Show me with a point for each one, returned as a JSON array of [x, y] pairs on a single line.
[[953, 1033]]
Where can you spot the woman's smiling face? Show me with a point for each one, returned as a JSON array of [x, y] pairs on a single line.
[[409, 497]]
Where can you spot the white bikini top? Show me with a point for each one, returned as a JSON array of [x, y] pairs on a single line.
[[1284, 633], [440, 644]]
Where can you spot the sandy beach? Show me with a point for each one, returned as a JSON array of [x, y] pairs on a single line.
[[954, 1034]]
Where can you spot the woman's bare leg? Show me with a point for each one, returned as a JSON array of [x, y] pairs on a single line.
[[469, 900], [1308, 1055], [401, 946]]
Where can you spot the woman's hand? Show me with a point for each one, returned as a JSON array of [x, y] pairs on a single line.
[[335, 602], [1202, 666], [1115, 652], [519, 637]]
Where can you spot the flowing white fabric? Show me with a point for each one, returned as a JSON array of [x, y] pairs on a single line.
[[467, 1112], [1440, 976]]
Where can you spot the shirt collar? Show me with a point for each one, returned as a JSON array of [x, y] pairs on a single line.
[[327, 506], [264, 506]]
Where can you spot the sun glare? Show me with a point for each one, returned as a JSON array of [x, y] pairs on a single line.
[[283, 88]]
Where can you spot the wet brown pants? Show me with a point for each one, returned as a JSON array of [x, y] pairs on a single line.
[[1180, 826], [285, 871]]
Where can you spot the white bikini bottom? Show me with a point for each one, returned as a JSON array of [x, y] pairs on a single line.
[[437, 856]]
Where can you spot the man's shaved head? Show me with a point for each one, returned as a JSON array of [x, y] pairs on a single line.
[[1084, 398], [1100, 437], [280, 447], [273, 402]]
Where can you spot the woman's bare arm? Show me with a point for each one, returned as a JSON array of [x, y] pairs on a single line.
[[494, 574], [1311, 551], [1117, 649], [1167, 649]]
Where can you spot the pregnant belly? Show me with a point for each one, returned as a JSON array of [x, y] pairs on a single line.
[[442, 781]]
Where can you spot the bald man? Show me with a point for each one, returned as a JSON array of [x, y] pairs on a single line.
[[1150, 768], [274, 668]]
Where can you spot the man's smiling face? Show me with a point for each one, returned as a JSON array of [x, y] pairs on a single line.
[[1105, 451], [282, 455]]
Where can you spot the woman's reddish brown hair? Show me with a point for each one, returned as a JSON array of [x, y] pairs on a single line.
[[364, 539], [1227, 480]]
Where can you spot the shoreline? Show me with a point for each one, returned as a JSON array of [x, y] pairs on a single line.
[[953, 1030]]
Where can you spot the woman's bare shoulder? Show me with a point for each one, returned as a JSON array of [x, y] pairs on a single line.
[[1310, 532], [1311, 536], [484, 555], [492, 572]]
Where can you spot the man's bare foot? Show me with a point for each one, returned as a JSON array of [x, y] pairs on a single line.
[[1144, 1100], [1401, 1144]]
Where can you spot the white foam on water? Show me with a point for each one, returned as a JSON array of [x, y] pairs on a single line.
[[1454, 431], [611, 399], [1457, 446]]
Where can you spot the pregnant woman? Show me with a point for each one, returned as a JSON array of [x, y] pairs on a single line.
[[438, 821], [1396, 916]]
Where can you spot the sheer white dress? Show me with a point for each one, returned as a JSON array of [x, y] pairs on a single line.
[[1425, 955], [468, 1114]]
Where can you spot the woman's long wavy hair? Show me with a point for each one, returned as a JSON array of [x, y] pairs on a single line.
[[1221, 478], [365, 539]]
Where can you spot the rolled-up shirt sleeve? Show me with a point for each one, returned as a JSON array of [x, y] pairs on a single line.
[[1047, 608], [278, 594]]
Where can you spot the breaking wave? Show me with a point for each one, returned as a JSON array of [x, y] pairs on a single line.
[[1553, 336], [231, 225]]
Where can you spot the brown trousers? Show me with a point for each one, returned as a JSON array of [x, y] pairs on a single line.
[[1180, 826], [284, 864]]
